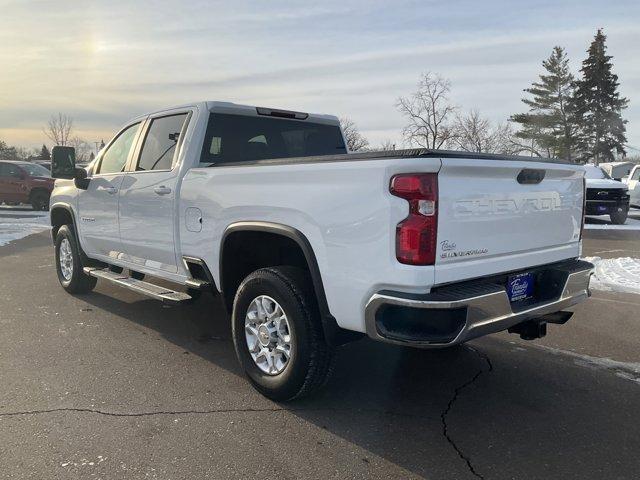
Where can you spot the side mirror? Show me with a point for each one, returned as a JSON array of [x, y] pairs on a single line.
[[80, 179], [63, 162]]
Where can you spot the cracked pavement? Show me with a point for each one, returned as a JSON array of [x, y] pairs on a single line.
[[112, 385]]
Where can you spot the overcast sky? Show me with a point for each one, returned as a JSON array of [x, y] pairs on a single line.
[[104, 62]]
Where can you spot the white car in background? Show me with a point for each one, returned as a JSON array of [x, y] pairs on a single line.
[[633, 183]]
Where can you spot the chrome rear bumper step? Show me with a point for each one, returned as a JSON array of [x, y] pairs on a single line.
[[462, 313], [145, 288]]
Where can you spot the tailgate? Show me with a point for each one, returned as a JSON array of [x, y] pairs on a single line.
[[493, 217]]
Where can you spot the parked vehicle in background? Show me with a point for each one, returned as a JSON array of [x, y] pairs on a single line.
[[25, 182], [633, 183], [310, 246], [617, 170], [606, 196]]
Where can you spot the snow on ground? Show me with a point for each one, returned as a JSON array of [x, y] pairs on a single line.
[[627, 370], [603, 222], [16, 224], [616, 274]]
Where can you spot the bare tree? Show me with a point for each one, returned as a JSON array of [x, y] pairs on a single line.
[[355, 140], [473, 133], [83, 149], [387, 145], [59, 129], [429, 113]]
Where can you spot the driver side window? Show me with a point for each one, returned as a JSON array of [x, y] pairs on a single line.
[[115, 157]]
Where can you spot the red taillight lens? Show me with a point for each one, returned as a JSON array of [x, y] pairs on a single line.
[[416, 235]]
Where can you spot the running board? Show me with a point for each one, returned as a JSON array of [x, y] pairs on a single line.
[[145, 288]]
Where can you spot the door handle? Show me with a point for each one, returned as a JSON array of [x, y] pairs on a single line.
[[109, 190], [162, 190]]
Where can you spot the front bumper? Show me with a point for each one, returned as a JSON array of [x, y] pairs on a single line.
[[455, 314], [603, 207]]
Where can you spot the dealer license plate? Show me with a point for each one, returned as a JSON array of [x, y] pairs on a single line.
[[520, 287]]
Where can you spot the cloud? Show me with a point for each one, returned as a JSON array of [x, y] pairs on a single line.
[[104, 62]]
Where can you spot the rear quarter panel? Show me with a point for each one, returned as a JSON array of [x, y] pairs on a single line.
[[344, 209]]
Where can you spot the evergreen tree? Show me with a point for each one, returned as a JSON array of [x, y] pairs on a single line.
[[599, 106], [44, 153], [549, 123]]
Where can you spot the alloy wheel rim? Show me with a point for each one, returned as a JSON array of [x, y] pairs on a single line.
[[268, 335], [66, 259]]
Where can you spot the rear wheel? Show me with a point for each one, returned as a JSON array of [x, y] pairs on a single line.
[[40, 201], [618, 218], [277, 333], [69, 263]]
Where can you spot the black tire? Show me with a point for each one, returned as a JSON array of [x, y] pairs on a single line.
[[618, 218], [40, 201], [78, 281], [310, 363]]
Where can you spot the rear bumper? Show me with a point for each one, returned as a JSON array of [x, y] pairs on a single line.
[[454, 314]]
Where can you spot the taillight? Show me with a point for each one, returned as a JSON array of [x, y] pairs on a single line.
[[416, 235], [584, 204]]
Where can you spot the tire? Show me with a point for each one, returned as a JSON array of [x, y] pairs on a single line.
[[309, 363], [40, 201], [69, 267], [618, 218]]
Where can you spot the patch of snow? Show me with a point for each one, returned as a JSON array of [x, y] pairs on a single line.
[[16, 228], [626, 370], [616, 274]]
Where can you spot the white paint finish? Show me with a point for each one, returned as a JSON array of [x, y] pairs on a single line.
[[97, 218], [633, 183], [147, 219], [347, 214], [343, 208], [491, 223], [193, 219]]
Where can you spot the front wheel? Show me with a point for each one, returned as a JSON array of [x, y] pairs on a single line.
[[40, 201], [618, 218], [277, 333], [69, 263]]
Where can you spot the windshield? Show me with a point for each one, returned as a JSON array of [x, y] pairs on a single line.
[[35, 170], [243, 138], [594, 172]]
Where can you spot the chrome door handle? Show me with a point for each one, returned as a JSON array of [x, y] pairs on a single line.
[[162, 190], [109, 190]]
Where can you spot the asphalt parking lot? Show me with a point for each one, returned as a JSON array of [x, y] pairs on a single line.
[[113, 385]]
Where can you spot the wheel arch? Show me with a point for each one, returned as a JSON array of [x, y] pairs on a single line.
[[63, 214], [229, 281]]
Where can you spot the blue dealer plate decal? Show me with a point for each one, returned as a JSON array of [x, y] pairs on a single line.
[[520, 287]]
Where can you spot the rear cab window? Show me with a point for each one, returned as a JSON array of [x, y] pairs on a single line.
[[234, 138]]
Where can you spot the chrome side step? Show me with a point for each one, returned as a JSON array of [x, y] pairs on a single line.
[[145, 288]]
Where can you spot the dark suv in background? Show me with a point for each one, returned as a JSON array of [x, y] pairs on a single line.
[[25, 182]]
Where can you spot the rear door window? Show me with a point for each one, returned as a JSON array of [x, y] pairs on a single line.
[[159, 148], [243, 138], [9, 170]]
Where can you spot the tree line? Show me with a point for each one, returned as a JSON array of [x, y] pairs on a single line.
[[579, 119]]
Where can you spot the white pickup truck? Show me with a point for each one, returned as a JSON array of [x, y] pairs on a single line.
[[311, 246]]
